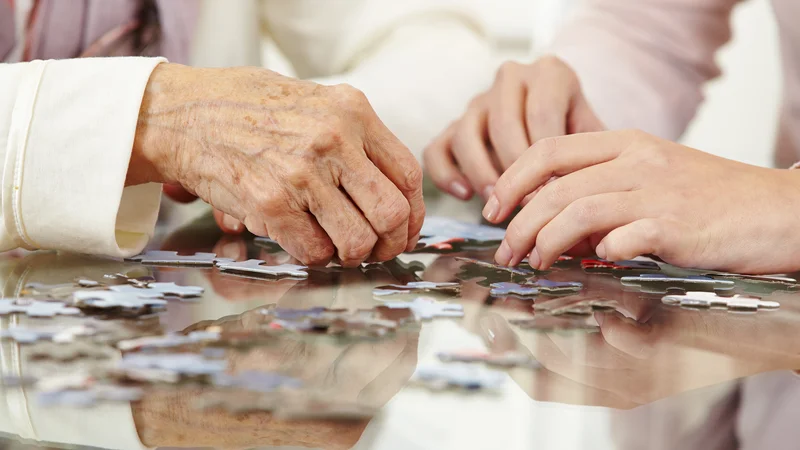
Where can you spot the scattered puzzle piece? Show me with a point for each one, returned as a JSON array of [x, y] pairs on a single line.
[[506, 289], [506, 360], [417, 287], [557, 287], [164, 258], [459, 376], [426, 308], [775, 281], [112, 299], [69, 352], [36, 308], [659, 283], [57, 334], [258, 267], [710, 300], [160, 290]]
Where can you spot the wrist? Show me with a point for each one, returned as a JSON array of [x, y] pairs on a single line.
[[160, 130]]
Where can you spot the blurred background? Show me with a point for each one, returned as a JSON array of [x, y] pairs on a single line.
[[738, 120]]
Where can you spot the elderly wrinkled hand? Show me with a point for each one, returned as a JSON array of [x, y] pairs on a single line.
[[310, 166], [629, 194], [526, 103]]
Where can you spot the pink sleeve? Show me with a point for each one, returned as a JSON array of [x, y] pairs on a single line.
[[643, 63]]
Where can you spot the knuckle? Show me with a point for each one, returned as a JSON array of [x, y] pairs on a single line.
[[299, 177], [651, 234], [271, 204], [545, 149], [351, 98], [359, 247], [509, 69], [412, 179], [392, 213], [555, 194], [320, 254], [329, 137]]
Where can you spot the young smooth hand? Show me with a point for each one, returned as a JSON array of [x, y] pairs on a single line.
[[310, 166], [627, 193], [526, 103]]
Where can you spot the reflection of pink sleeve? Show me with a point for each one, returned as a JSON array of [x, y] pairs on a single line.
[[643, 63]]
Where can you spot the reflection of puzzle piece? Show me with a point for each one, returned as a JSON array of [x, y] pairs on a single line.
[[773, 281], [58, 334], [111, 299], [69, 352], [164, 258], [168, 340], [400, 316], [427, 309], [258, 267], [506, 360], [270, 245], [462, 376], [489, 273], [556, 287], [58, 291], [35, 308], [659, 283], [619, 268], [554, 323], [159, 290], [417, 287], [506, 289], [180, 363], [444, 226], [256, 381], [575, 306], [710, 300], [438, 243]]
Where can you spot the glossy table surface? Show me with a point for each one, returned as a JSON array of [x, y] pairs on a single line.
[[649, 376]]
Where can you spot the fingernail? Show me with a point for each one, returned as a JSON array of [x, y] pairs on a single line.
[[534, 260], [460, 190], [601, 250], [492, 209], [504, 254], [487, 192], [231, 223]]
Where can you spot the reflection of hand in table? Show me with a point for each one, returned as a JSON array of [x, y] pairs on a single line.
[[630, 363], [367, 372]]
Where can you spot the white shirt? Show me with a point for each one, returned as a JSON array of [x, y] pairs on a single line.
[[67, 127]]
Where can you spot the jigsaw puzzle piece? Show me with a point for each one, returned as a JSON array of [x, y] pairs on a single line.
[[257, 267], [165, 258], [112, 299], [710, 300], [660, 284], [36, 308], [506, 289], [160, 290], [575, 306], [417, 287]]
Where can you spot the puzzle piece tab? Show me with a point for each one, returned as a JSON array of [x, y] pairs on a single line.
[[257, 267], [710, 300]]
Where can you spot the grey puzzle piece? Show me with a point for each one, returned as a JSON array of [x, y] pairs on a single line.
[[35, 308], [168, 340], [426, 308], [506, 360], [710, 300], [160, 289], [258, 267], [659, 283], [112, 299], [164, 258], [506, 289]]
